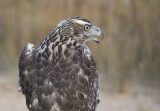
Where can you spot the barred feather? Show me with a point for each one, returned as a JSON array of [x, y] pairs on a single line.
[[60, 73]]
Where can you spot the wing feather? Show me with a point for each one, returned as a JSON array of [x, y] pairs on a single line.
[[63, 83]]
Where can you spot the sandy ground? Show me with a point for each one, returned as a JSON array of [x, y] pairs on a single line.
[[135, 100]]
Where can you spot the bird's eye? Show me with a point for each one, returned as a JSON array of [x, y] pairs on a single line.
[[86, 27]]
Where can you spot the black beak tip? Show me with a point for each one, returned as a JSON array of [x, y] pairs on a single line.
[[97, 41]]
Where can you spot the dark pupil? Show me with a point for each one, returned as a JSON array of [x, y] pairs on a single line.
[[86, 27]]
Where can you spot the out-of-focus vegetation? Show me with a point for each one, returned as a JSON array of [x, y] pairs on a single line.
[[129, 53]]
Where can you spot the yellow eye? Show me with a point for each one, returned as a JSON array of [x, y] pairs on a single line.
[[86, 27]]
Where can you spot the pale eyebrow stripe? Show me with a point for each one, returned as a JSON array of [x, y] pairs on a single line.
[[81, 22]]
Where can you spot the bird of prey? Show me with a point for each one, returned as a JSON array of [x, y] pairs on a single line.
[[60, 73]]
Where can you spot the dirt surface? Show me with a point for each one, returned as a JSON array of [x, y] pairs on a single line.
[[136, 100]]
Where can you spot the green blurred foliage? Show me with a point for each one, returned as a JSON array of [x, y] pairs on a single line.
[[130, 51]]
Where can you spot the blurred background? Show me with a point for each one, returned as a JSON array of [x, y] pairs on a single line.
[[128, 58]]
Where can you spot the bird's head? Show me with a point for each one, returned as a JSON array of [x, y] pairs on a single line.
[[80, 29]]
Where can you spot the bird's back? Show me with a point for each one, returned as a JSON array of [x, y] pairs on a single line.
[[54, 81], [60, 73]]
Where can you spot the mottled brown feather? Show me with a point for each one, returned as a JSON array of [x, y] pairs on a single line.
[[58, 75]]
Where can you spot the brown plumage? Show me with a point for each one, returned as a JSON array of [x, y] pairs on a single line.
[[60, 73]]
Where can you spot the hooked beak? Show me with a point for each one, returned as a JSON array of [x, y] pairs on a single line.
[[95, 30]]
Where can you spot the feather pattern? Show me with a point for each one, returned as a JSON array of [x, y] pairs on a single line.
[[60, 73]]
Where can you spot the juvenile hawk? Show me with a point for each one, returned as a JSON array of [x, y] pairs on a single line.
[[60, 73]]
